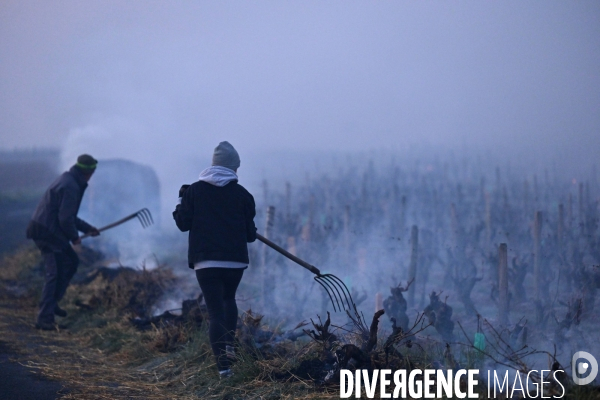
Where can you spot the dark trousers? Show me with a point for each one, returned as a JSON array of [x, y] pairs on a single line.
[[60, 266], [218, 287]]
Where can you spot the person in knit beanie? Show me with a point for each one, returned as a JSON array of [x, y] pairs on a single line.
[[226, 156], [54, 226], [219, 215]]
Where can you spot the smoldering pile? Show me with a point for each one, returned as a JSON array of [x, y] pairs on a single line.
[[191, 311], [135, 292], [126, 290]]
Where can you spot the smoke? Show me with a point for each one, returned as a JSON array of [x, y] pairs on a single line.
[[353, 219], [437, 95], [166, 84], [350, 214], [109, 138]]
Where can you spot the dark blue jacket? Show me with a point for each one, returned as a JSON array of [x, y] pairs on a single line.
[[55, 219], [220, 221]]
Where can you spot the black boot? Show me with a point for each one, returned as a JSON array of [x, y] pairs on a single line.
[[59, 311], [45, 326]]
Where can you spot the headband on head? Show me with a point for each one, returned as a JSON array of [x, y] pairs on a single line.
[[84, 166]]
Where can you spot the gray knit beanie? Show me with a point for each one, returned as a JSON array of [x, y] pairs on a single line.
[[226, 156]]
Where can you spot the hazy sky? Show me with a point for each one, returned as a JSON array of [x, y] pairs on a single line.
[[153, 80]]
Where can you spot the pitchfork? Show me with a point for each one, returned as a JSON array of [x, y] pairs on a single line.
[[336, 289], [143, 216]]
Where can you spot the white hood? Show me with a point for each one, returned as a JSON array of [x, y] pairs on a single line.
[[218, 176]]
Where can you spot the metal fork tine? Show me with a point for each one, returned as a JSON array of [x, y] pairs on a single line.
[[345, 290], [335, 291], [327, 290], [336, 294], [141, 219], [340, 284], [145, 216], [149, 216]]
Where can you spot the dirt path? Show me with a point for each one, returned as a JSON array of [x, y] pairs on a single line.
[[44, 365], [19, 339], [19, 382]]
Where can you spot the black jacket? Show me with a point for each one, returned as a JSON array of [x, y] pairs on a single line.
[[55, 220], [220, 221]]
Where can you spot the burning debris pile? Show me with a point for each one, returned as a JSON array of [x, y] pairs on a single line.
[[124, 289], [192, 311]]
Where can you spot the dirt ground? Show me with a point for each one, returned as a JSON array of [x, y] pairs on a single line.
[[17, 381], [27, 356]]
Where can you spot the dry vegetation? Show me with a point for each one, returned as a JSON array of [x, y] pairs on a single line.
[[103, 355], [107, 353]]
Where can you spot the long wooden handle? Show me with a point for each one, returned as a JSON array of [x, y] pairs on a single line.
[[119, 222], [289, 255]]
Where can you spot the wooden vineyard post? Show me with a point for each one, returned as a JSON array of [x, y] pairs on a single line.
[[436, 208], [488, 222], [560, 231], [288, 202], [402, 215], [291, 245], [561, 241], [502, 285], [482, 188], [265, 188], [269, 228], [347, 229], [307, 228], [454, 226], [581, 210], [412, 268], [570, 212], [537, 231], [393, 210], [536, 192], [588, 218], [498, 180], [526, 197], [378, 302], [506, 206], [268, 281], [455, 268]]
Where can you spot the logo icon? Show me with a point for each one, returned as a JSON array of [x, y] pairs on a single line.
[[581, 368]]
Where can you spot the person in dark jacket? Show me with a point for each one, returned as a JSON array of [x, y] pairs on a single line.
[[219, 215], [54, 226]]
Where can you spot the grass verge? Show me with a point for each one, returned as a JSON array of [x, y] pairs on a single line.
[[103, 356]]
